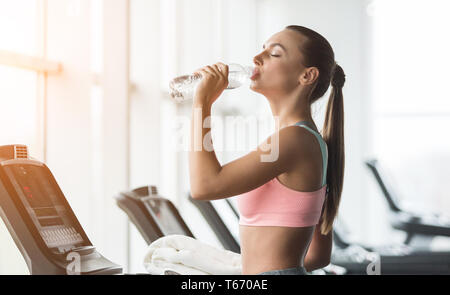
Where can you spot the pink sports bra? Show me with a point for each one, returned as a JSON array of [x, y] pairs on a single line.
[[274, 204]]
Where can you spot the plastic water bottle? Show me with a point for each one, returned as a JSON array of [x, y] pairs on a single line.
[[183, 87]]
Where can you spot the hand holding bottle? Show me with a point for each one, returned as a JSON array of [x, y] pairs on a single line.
[[183, 87], [214, 81]]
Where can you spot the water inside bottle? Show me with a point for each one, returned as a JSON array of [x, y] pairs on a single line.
[[236, 79], [180, 87], [184, 87]]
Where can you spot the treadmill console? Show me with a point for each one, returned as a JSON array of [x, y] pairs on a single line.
[[45, 206], [152, 215], [40, 219]]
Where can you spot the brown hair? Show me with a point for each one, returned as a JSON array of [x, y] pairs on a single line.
[[317, 52]]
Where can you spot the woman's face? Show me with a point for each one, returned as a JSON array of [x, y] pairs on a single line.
[[278, 66]]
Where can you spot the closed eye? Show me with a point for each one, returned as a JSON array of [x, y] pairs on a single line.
[[274, 55]]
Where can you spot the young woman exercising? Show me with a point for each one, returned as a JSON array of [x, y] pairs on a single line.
[[280, 200]]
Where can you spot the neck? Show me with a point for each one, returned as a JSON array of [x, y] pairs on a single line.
[[290, 111]]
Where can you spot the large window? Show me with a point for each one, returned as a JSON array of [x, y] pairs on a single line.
[[18, 98], [412, 101], [18, 87]]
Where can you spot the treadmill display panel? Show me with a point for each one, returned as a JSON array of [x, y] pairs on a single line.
[[44, 202], [165, 217]]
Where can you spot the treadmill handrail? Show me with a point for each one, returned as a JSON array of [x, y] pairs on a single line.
[[232, 208], [217, 225], [372, 165]]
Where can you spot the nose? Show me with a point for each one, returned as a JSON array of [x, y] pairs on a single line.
[[257, 60]]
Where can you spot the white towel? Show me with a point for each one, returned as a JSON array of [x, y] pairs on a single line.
[[188, 256]]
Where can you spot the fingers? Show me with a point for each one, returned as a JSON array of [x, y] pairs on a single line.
[[223, 69], [199, 72], [213, 71], [219, 70]]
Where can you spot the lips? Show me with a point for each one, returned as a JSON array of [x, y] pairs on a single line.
[[254, 74]]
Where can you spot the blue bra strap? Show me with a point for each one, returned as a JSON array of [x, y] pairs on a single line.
[[323, 148]]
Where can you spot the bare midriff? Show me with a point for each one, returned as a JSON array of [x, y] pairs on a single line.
[[265, 248]]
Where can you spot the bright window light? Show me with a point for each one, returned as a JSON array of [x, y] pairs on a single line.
[[18, 93], [412, 100]]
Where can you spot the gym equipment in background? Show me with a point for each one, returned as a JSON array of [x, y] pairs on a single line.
[[41, 221], [393, 259], [216, 223], [420, 228], [153, 216]]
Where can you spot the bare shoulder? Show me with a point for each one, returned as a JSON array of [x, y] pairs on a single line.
[[299, 137], [290, 142], [287, 138]]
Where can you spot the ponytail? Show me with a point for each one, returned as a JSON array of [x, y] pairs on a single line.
[[333, 134], [317, 52]]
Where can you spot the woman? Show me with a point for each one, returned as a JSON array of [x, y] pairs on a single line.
[[280, 201]]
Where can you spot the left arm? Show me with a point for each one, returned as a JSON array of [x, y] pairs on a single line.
[[319, 251]]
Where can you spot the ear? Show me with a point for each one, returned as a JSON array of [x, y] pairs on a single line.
[[309, 76]]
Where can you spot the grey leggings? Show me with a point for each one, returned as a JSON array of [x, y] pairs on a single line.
[[288, 271]]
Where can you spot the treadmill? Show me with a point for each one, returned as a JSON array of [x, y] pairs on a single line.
[[153, 216], [393, 259], [41, 221], [216, 223], [420, 228]]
